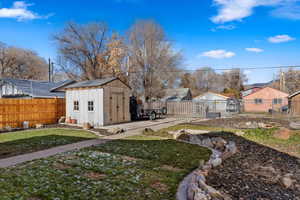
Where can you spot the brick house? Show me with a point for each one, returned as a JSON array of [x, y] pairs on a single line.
[[264, 100]]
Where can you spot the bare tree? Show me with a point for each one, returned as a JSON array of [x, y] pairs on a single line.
[[90, 51], [208, 80], [234, 79], [21, 63], [292, 80], [152, 59]]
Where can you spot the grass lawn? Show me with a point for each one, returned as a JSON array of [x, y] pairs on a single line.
[[21, 142], [265, 137], [138, 167], [164, 132]]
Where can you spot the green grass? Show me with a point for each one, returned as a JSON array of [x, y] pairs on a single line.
[[122, 169], [164, 132], [265, 136], [21, 142]]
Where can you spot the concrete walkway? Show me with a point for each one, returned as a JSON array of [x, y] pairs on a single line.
[[7, 162]]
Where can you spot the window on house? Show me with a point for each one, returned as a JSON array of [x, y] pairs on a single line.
[[277, 101], [90, 105], [76, 105], [258, 101]]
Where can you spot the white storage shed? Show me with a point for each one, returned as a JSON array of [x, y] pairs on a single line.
[[98, 102]]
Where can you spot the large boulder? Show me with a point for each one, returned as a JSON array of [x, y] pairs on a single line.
[[219, 143]]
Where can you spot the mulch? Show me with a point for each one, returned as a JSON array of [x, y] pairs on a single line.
[[237, 178]]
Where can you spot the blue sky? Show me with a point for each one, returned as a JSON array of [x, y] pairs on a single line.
[[216, 33]]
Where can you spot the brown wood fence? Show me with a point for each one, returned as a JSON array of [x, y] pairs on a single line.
[[13, 112]]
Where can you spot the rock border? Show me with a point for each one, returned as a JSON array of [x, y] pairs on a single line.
[[193, 186]]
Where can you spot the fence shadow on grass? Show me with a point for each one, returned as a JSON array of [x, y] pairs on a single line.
[[33, 144]]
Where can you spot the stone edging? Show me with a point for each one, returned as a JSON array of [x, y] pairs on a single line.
[[193, 186]]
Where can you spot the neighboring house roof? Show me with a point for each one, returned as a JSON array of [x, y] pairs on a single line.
[[294, 94], [264, 93], [36, 89], [259, 85], [177, 94], [211, 96], [61, 85], [93, 83]]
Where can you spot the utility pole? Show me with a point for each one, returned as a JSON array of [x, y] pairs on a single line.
[[49, 70]]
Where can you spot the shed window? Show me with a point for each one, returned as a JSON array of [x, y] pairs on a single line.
[[258, 101], [90, 106], [76, 105], [277, 101]]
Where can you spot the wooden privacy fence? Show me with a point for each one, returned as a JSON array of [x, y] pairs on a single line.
[[13, 112], [181, 108]]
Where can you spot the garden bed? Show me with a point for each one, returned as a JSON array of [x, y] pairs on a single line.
[[255, 172]]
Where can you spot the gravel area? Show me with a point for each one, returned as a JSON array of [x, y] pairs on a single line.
[[242, 177]]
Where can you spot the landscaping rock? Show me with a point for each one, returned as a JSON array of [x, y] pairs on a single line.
[[39, 126], [295, 125], [184, 136], [219, 143], [8, 128], [117, 131], [86, 126], [287, 181], [216, 162], [207, 143], [239, 133], [200, 195], [62, 120]]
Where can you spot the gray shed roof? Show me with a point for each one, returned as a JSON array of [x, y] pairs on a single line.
[[177, 94], [36, 89], [91, 83]]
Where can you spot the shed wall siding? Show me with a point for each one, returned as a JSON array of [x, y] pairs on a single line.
[[95, 117], [120, 88]]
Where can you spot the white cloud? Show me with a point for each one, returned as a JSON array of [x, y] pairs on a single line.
[[289, 11], [256, 50], [223, 27], [247, 72], [19, 11], [218, 54], [236, 10], [280, 38]]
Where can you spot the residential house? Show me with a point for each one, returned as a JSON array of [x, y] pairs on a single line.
[[18, 88], [98, 102], [178, 94], [294, 103], [264, 100], [218, 103]]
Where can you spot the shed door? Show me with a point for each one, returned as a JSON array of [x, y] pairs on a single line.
[[117, 106]]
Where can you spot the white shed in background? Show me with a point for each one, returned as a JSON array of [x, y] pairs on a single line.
[[215, 102], [98, 102]]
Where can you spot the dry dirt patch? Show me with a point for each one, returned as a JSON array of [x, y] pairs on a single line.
[[171, 168], [283, 134], [94, 175], [61, 166], [157, 185]]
